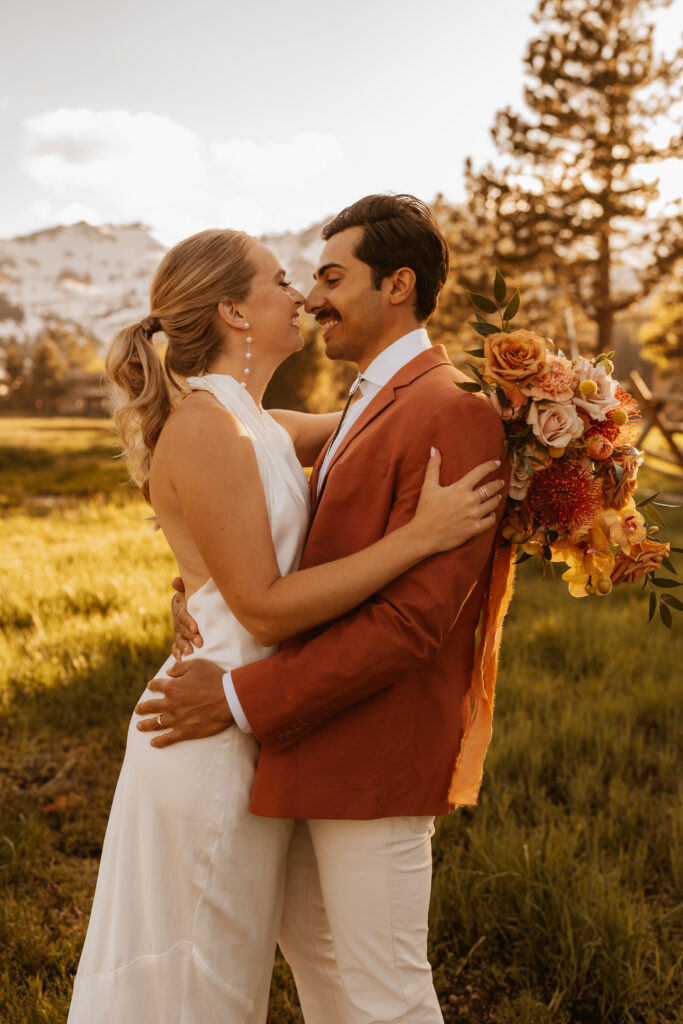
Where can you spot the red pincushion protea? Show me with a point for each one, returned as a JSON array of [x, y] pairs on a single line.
[[564, 496], [607, 429]]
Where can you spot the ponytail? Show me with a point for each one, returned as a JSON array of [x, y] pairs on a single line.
[[143, 395]]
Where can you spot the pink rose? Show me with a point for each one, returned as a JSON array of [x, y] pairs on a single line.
[[555, 425], [520, 478]]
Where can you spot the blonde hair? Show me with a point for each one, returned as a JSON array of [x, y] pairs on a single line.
[[192, 278]]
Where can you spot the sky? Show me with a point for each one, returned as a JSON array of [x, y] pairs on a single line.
[[255, 114]]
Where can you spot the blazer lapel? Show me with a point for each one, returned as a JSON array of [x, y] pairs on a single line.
[[421, 364]]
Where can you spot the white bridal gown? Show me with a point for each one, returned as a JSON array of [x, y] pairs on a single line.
[[189, 894]]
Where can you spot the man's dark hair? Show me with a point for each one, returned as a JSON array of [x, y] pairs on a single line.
[[398, 231]]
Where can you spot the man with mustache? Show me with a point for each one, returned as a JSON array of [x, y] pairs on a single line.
[[360, 722]]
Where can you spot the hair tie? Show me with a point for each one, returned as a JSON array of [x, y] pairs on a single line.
[[150, 325]]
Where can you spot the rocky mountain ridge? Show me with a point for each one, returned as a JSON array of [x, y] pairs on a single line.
[[97, 278]]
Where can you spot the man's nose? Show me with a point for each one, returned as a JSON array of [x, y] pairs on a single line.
[[313, 302]]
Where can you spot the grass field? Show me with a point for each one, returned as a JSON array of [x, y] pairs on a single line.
[[559, 899]]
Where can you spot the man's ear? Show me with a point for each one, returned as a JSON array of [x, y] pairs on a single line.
[[230, 314], [402, 285]]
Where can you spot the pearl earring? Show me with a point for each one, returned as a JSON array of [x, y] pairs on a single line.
[[246, 371]]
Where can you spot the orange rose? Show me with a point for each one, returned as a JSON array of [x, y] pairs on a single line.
[[641, 559], [513, 358]]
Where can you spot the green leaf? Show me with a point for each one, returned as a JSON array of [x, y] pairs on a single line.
[[547, 553], [512, 307], [477, 352], [679, 551], [499, 288], [668, 564], [467, 385], [646, 501], [476, 372], [672, 602], [523, 558], [654, 515], [665, 615], [665, 584], [485, 329], [482, 302], [502, 397], [480, 318], [653, 606]]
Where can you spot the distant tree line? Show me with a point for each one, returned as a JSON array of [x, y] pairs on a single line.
[[36, 375]]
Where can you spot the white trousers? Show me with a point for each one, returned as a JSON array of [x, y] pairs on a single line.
[[354, 927]]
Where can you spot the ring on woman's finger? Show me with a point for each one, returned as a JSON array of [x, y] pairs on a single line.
[[159, 722], [483, 494]]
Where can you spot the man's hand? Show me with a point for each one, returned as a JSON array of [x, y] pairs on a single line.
[[192, 704], [185, 629]]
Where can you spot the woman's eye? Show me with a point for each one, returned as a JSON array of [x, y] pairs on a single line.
[[331, 280], [285, 284]]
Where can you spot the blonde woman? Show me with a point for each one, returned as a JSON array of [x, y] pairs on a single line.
[[190, 889]]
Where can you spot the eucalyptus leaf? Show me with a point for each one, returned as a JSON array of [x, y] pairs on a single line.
[[673, 602], [668, 564], [484, 329], [653, 606], [467, 385], [478, 353], [512, 308], [665, 615], [482, 302], [476, 372], [679, 551], [499, 288], [654, 515], [524, 557], [646, 501], [665, 584]]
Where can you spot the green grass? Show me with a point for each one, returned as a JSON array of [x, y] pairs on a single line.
[[558, 899]]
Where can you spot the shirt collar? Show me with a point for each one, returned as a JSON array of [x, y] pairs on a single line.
[[393, 358]]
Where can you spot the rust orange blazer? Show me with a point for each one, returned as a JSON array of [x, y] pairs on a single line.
[[363, 718]]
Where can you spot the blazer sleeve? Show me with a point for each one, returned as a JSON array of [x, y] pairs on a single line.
[[318, 675]]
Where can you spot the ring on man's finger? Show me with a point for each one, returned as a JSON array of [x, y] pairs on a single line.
[[159, 722]]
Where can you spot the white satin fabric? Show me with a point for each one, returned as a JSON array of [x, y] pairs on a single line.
[[190, 889]]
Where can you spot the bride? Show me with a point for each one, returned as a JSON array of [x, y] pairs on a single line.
[[190, 889]]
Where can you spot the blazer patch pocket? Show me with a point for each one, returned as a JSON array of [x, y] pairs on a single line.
[[362, 467]]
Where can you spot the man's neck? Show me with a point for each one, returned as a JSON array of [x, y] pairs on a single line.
[[382, 343]]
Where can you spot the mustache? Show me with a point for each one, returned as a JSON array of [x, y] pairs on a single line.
[[325, 313]]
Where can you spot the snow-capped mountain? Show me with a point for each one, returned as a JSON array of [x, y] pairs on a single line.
[[98, 278]]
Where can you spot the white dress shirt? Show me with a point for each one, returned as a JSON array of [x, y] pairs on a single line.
[[380, 371]]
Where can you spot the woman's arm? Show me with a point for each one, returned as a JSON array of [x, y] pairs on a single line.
[[222, 501], [308, 431]]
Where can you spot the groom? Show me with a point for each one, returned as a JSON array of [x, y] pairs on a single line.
[[360, 721]]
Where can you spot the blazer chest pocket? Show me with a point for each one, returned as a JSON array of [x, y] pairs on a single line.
[[361, 467]]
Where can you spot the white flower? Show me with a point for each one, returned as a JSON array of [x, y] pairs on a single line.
[[604, 400]]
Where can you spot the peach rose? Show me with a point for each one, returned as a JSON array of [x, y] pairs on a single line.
[[640, 559], [555, 382], [554, 424], [603, 401], [514, 397], [513, 358], [599, 448]]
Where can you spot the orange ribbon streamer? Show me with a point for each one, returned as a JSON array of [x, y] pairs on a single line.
[[469, 766]]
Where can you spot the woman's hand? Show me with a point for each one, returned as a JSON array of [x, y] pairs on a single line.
[[447, 517]]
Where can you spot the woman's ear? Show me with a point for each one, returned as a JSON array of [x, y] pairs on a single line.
[[402, 285], [230, 314]]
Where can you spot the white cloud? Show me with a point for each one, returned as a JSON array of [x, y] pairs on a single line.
[[118, 166]]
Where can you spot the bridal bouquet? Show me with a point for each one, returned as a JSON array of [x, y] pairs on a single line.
[[570, 429]]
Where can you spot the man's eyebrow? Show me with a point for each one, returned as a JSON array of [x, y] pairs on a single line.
[[328, 266]]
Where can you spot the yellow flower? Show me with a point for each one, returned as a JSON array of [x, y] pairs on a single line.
[[588, 388], [623, 526], [577, 580]]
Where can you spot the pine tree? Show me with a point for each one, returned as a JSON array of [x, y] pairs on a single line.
[[569, 213]]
